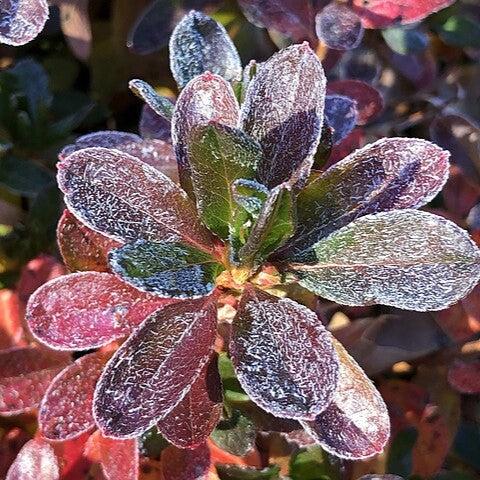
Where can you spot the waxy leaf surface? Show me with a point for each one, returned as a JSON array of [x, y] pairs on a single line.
[[82, 248], [283, 356], [206, 98], [199, 44], [21, 20], [170, 270], [25, 374], [86, 310], [283, 110], [162, 106], [356, 424], [218, 156], [390, 174], [340, 115], [155, 368], [123, 198], [404, 258], [66, 408], [339, 27], [191, 422]]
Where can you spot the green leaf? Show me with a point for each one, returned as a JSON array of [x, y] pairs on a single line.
[[234, 472], [160, 105], [218, 156], [235, 435], [405, 39], [460, 31], [170, 270], [312, 464], [400, 453], [250, 195]]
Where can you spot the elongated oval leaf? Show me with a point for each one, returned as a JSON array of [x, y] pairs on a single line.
[[162, 106], [170, 270], [218, 156], [191, 422], [25, 374], [406, 258], [86, 310], [283, 356], [200, 44], [115, 194], [356, 424], [21, 20], [340, 115], [394, 173], [155, 368], [66, 408], [283, 110], [206, 98]]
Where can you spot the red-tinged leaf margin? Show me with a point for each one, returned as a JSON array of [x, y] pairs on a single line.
[[464, 376]]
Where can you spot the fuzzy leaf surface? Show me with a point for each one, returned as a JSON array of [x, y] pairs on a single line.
[[283, 356], [199, 44], [86, 310], [283, 110], [162, 106], [356, 424], [155, 368], [341, 115], [206, 98], [192, 421], [404, 258], [250, 195], [390, 174], [125, 199]]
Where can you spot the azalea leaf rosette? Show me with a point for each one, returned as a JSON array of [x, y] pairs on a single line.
[[166, 257]]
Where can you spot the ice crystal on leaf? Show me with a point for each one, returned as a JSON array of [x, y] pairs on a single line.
[[159, 268]]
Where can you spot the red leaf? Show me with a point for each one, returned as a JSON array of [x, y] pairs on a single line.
[[465, 376], [82, 248], [11, 442], [155, 368], [36, 460], [283, 356], [11, 329], [25, 374], [66, 408], [192, 421], [86, 310], [353, 141], [186, 464], [70, 453]]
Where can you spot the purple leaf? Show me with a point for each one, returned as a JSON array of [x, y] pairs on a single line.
[[21, 20], [151, 126], [86, 310], [356, 424], [340, 115], [404, 258], [283, 356], [360, 64], [155, 368], [125, 199], [206, 98], [184, 464], [199, 44], [339, 27], [192, 421], [283, 110]]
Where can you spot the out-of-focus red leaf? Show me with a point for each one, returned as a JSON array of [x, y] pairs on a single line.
[[119, 459], [11, 441], [354, 140], [86, 310], [180, 464], [464, 376], [459, 194], [217, 455], [192, 421], [11, 315], [36, 460], [74, 464], [25, 374], [66, 408], [82, 248]]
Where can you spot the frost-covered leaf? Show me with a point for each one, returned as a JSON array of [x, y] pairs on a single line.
[[82, 248], [170, 270], [218, 156], [191, 422], [283, 110], [369, 101], [186, 464], [340, 115], [274, 225], [66, 408], [25, 374], [21, 20], [36, 460], [235, 434], [86, 310], [394, 173], [405, 258], [162, 106], [465, 376], [339, 27], [356, 424], [199, 44], [206, 98], [283, 356], [250, 195], [123, 198], [155, 368]]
